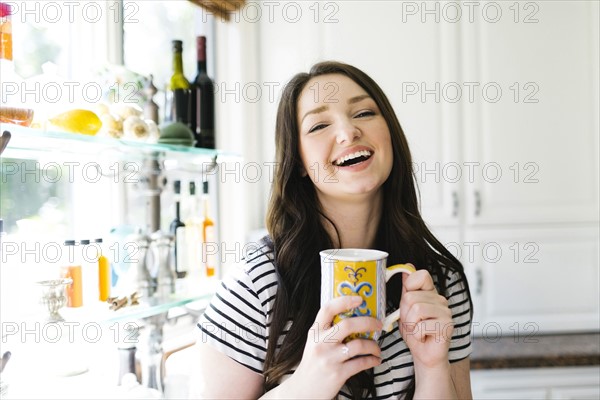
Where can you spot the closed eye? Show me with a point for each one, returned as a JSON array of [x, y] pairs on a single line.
[[317, 127], [363, 114]]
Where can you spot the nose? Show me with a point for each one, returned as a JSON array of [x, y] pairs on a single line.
[[347, 132]]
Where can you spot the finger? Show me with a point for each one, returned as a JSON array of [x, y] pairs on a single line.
[[433, 329], [420, 296], [348, 326], [425, 311], [336, 306], [420, 280], [359, 347], [358, 364]]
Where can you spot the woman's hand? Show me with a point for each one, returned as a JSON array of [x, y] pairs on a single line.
[[327, 362], [425, 321]]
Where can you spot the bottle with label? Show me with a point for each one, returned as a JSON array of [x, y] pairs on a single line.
[[11, 108], [178, 93], [71, 268], [193, 235], [5, 32], [104, 274], [209, 245], [177, 230], [89, 263], [202, 117]]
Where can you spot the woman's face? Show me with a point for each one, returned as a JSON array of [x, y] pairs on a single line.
[[345, 142]]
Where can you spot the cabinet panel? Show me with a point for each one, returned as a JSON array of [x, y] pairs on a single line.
[[538, 383], [532, 128], [410, 60], [580, 393], [534, 280], [508, 394]]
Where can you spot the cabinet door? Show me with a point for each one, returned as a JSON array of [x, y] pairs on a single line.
[[531, 127], [580, 393], [533, 281], [536, 383], [410, 60], [511, 394]]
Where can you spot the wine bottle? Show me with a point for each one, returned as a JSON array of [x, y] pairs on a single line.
[[89, 273], [178, 93], [203, 101], [71, 268], [177, 230], [208, 235], [193, 235]]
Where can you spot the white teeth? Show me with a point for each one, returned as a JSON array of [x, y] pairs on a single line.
[[363, 153]]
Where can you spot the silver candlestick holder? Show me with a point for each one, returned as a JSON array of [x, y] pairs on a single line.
[[54, 296]]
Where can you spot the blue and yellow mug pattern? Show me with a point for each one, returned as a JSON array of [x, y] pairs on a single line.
[[359, 272]]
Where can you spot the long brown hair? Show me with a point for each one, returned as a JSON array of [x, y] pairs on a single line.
[[297, 234]]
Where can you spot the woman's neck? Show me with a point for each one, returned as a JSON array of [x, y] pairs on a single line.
[[356, 222]]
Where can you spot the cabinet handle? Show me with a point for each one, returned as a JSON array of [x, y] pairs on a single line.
[[478, 281], [454, 204], [477, 203]]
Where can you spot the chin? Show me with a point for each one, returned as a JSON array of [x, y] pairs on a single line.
[[357, 188]]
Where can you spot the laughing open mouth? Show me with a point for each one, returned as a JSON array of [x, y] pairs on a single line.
[[354, 158]]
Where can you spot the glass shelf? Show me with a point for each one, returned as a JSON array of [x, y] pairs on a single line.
[[32, 143], [100, 312]]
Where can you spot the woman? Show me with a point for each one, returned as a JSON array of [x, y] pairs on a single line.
[[343, 180]]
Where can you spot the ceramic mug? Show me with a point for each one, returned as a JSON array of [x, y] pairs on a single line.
[[360, 272]]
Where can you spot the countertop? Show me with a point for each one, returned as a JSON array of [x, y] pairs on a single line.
[[562, 350]]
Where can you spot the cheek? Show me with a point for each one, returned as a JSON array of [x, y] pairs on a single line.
[[313, 153], [304, 154], [386, 145]]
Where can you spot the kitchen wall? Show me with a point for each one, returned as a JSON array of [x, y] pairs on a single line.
[[499, 102]]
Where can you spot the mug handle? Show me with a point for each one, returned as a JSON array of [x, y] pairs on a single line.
[[388, 321]]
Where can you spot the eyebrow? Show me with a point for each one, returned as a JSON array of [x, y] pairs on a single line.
[[320, 109]]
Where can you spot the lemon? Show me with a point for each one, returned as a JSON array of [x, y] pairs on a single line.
[[78, 121]]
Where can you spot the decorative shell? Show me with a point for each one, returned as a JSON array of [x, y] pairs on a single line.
[[111, 126], [135, 128]]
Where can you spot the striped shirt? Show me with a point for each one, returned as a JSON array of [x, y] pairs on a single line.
[[236, 324]]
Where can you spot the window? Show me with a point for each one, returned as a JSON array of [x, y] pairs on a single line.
[[59, 49]]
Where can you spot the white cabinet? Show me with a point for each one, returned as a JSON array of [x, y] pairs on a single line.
[[532, 133], [540, 383], [533, 125], [531, 280], [499, 102]]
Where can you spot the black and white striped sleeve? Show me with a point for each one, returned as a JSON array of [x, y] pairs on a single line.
[[458, 301], [235, 321]]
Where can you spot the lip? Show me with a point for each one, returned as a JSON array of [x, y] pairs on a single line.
[[351, 150]]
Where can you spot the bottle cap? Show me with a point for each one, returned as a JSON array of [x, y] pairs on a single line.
[[205, 187], [201, 48], [177, 45], [177, 187], [69, 243], [84, 242], [5, 10], [192, 188]]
